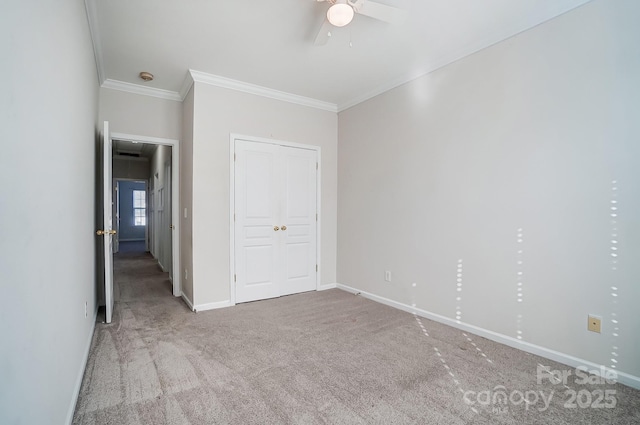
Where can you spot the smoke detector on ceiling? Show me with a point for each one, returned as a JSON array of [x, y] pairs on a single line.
[[147, 76]]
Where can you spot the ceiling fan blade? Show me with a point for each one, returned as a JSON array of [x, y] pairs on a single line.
[[323, 34], [378, 11]]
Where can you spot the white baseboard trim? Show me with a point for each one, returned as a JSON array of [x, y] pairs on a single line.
[[623, 378], [187, 301], [76, 389], [212, 306], [327, 286]]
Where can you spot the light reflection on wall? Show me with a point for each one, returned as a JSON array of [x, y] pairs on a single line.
[[519, 279], [459, 291], [614, 253]]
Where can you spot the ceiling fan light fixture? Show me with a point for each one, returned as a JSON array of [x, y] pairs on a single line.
[[340, 14]]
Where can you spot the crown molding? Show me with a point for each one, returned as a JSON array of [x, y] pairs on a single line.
[[215, 80], [228, 83], [143, 90], [186, 85], [92, 18]]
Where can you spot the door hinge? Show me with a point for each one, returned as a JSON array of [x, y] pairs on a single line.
[[316, 165], [316, 216], [234, 156], [234, 278], [316, 267]]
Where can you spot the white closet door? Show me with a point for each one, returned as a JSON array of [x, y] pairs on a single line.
[[275, 220], [257, 210], [298, 225]]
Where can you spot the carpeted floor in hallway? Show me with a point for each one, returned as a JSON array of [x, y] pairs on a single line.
[[315, 358]]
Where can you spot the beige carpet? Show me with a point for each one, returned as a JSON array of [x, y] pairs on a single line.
[[316, 358]]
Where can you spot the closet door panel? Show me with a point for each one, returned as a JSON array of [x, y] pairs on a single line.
[[257, 209], [299, 219]]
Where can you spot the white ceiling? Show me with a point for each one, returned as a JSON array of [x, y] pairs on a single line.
[[270, 43]]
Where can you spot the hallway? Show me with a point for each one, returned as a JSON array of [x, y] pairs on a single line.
[[137, 277]]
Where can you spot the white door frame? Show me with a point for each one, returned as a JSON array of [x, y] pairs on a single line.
[[151, 220], [167, 193], [175, 201], [115, 188], [232, 245]]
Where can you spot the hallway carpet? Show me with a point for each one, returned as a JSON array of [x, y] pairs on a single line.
[[132, 246], [316, 358], [138, 277]]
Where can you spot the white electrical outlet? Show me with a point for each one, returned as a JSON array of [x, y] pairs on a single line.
[[86, 311], [185, 213], [387, 276], [186, 274]]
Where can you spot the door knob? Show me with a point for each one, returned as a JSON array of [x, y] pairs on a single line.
[[105, 232], [276, 228], [284, 227]]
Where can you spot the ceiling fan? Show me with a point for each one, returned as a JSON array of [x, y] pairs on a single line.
[[341, 12]]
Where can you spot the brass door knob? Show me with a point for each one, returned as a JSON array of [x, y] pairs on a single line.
[[284, 227], [276, 228], [105, 232]]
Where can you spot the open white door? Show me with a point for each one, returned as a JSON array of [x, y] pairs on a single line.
[[107, 231]]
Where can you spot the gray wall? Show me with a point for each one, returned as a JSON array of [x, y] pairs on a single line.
[[47, 266], [128, 231], [511, 160]]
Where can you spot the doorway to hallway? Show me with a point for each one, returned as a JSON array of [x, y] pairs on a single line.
[[155, 162], [141, 211], [142, 207]]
